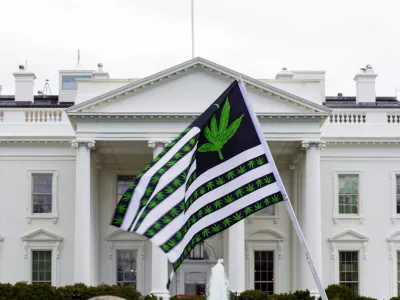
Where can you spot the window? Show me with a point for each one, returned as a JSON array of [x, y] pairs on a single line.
[[41, 267], [264, 271], [348, 194], [126, 268], [69, 81], [195, 283], [123, 182], [398, 194], [398, 273], [42, 193], [348, 269], [198, 252]]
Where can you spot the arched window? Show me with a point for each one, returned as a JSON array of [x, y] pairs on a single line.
[[198, 252]]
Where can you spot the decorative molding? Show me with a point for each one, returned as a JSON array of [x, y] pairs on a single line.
[[308, 144], [88, 143], [394, 247]]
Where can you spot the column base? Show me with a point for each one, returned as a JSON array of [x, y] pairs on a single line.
[[164, 294]]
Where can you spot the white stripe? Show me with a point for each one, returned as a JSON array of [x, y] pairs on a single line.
[[227, 188], [224, 167], [167, 177], [172, 228], [161, 209], [144, 181], [176, 252], [192, 168]]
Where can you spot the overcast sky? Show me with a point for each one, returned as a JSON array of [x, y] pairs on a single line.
[[135, 38]]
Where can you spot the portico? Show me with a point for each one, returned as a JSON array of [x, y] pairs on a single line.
[[119, 132]]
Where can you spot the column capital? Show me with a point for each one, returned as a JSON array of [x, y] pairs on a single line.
[[153, 144], [316, 143], [88, 143]]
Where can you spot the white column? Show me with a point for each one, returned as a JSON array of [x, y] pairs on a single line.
[[83, 247], [293, 250], [311, 211], [237, 264], [159, 260]]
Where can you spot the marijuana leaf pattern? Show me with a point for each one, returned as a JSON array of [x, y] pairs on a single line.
[[251, 164], [239, 193], [260, 161], [200, 213], [202, 191], [275, 198], [259, 182], [267, 201], [248, 210], [210, 185], [220, 181], [230, 175], [237, 217], [169, 189], [176, 182], [174, 212], [249, 188], [241, 170], [218, 204], [218, 137], [157, 226], [258, 206], [228, 199], [118, 220], [206, 232], [208, 210], [216, 228], [267, 179], [227, 222]]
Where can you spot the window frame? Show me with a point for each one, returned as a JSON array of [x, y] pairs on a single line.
[[394, 247], [264, 240], [273, 268], [394, 215], [54, 206], [349, 240], [116, 267], [358, 263], [121, 240], [45, 241], [116, 184], [31, 262], [338, 216]]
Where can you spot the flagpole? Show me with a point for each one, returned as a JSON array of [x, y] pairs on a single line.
[[286, 200], [192, 29]]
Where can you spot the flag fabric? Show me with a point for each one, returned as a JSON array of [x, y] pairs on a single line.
[[217, 172]]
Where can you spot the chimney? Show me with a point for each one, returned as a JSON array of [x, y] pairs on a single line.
[[100, 74], [24, 86], [284, 74], [366, 85]]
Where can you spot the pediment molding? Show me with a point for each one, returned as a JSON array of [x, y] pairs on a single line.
[[309, 107], [394, 237], [41, 235], [265, 235], [122, 235], [349, 236]]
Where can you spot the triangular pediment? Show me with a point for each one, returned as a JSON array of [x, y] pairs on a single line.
[[189, 89], [394, 237], [349, 236], [265, 235], [42, 235], [121, 235]]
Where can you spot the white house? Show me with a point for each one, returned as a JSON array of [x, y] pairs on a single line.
[[65, 160]]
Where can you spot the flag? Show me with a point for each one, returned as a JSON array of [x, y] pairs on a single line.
[[217, 172]]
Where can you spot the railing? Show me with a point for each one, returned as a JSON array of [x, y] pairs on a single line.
[[393, 118], [43, 116], [344, 117]]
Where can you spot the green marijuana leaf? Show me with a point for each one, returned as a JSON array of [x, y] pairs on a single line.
[[200, 213], [230, 175], [178, 155], [170, 163], [179, 235], [218, 204], [162, 171], [152, 204], [219, 137], [249, 188], [210, 185], [174, 212], [155, 179], [216, 228], [147, 168], [150, 232], [118, 220], [193, 219], [259, 182], [160, 196], [165, 247], [132, 185], [228, 199], [127, 196], [251, 164], [260, 161], [182, 206], [239, 193], [196, 194], [237, 217], [227, 222], [149, 190], [166, 219], [206, 232], [208, 209], [187, 148], [202, 191], [258, 206], [169, 189], [157, 226], [122, 208], [267, 201], [176, 182], [197, 238], [220, 181], [275, 198], [172, 243], [248, 210], [144, 202], [241, 170], [267, 179], [192, 142]]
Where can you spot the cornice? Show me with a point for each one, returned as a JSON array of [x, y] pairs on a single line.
[[190, 65]]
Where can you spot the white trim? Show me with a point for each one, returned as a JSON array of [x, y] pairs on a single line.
[[122, 240], [394, 246], [394, 215], [275, 217], [349, 240], [336, 215], [54, 207], [273, 241], [42, 240]]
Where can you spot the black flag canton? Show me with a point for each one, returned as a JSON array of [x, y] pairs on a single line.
[[231, 127]]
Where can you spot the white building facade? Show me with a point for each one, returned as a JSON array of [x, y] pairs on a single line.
[[65, 161]]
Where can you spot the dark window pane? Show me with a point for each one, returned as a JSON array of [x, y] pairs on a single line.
[[126, 267], [264, 270], [41, 267]]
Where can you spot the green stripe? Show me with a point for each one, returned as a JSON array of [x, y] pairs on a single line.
[[224, 224], [218, 204], [225, 178]]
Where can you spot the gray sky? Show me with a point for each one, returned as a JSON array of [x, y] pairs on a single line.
[[135, 38]]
